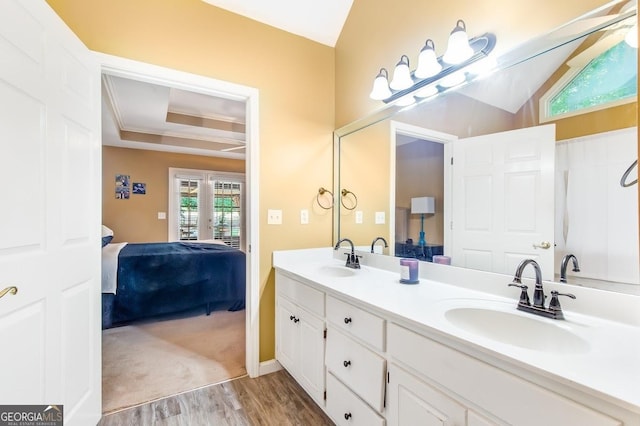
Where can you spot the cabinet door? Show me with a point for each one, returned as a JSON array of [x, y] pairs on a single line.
[[413, 402], [311, 350], [286, 335]]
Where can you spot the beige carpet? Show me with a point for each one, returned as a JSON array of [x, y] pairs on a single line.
[[144, 362]]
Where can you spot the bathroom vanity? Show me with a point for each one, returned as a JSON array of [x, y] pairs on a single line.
[[453, 349]]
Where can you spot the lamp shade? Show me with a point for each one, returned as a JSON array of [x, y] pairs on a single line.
[[458, 49], [421, 205], [380, 89], [428, 64], [402, 75]]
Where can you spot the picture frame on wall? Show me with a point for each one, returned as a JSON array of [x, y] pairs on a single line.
[[139, 188], [122, 190]]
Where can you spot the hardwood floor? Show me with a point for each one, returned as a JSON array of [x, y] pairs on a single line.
[[274, 399]]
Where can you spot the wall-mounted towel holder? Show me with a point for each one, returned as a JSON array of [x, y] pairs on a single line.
[[321, 193], [623, 179], [353, 200]]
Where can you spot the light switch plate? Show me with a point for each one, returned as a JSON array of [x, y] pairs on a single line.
[[359, 216], [162, 215], [274, 217], [304, 216], [380, 218]]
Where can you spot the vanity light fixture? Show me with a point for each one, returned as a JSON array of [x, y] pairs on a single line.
[[428, 64], [380, 89], [401, 75], [431, 70], [458, 49]]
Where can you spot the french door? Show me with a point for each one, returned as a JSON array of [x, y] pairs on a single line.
[[207, 205]]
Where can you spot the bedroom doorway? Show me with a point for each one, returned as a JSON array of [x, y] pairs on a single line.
[[114, 67]]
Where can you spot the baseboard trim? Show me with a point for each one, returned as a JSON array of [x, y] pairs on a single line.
[[267, 367]]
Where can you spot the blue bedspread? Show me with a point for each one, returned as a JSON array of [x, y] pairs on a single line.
[[162, 278]]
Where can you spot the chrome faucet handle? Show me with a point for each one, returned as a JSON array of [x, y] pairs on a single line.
[[554, 304], [524, 296]]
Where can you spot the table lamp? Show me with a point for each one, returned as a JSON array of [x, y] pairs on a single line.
[[422, 206]]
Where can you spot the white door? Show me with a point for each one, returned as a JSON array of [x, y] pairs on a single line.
[[49, 219], [503, 200]]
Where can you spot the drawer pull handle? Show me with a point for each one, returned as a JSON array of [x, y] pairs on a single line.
[[9, 290], [346, 363], [296, 320], [291, 317], [347, 320], [347, 416]]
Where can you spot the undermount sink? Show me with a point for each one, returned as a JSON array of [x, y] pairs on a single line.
[[336, 271], [517, 329]]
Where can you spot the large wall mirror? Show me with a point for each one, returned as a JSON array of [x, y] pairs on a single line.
[[528, 162]]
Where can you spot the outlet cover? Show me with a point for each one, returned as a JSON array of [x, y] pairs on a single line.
[[380, 218], [274, 217], [304, 216]]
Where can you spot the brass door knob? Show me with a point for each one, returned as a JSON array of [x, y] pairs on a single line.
[[543, 245]]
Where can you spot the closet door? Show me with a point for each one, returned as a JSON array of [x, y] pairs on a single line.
[[50, 166]]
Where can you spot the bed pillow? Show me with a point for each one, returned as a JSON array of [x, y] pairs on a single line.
[[107, 235], [106, 240]]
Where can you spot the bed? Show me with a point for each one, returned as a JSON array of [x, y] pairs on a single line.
[[144, 280]]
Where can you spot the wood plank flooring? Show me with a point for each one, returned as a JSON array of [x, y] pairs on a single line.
[[274, 399]]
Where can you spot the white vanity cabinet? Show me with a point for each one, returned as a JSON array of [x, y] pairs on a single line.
[[379, 367], [501, 396], [300, 334]]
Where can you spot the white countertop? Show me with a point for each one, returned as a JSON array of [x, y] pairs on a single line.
[[608, 369]]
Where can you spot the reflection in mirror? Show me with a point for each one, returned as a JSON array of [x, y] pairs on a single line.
[[538, 153]]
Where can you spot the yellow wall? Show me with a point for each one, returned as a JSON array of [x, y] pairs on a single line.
[[364, 170], [295, 77], [136, 220]]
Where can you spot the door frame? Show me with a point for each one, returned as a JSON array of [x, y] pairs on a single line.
[[398, 128], [127, 68]]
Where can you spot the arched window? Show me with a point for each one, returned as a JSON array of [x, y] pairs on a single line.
[[602, 76]]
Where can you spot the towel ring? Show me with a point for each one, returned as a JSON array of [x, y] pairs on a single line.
[[321, 192], [625, 175], [354, 202]]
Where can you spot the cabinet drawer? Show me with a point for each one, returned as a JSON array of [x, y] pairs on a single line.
[[501, 394], [357, 367], [356, 322], [347, 409], [303, 295]]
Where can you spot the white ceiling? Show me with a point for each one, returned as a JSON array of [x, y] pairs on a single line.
[[141, 115], [321, 21]]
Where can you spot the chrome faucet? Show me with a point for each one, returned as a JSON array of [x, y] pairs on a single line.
[[554, 310], [379, 239], [352, 259], [563, 266]]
